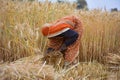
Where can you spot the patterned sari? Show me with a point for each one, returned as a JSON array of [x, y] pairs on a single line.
[[73, 50]]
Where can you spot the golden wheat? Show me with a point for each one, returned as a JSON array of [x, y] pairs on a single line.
[[20, 24]]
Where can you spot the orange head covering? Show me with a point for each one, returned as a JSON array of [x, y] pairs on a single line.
[[52, 30], [45, 31]]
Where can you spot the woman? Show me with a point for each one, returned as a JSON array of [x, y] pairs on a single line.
[[64, 35]]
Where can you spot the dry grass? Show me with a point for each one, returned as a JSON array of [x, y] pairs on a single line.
[[20, 29], [101, 34], [31, 68]]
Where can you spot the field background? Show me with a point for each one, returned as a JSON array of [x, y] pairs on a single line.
[[20, 36]]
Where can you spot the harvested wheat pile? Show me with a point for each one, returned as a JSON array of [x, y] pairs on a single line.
[[83, 71], [54, 58], [112, 59], [34, 68], [30, 68]]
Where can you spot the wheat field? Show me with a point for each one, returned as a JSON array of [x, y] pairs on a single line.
[[21, 42]]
